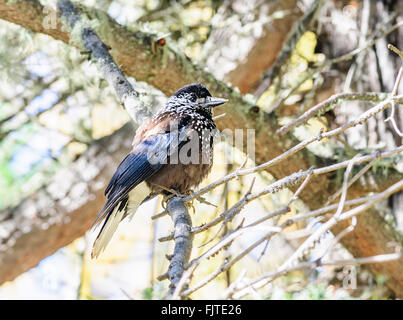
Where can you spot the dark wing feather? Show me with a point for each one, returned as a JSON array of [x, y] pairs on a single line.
[[146, 159]]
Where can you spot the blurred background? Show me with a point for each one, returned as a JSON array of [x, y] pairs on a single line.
[[63, 132]]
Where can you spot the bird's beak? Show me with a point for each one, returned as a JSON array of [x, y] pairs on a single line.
[[214, 102]]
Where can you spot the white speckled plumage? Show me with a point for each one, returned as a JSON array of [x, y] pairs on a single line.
[[189, 110]]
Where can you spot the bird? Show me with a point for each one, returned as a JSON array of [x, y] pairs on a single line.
[[171, 153]]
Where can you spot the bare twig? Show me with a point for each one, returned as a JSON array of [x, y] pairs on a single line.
[[353, 179], [344, 189], [288, 265], [391, 118], [293, 178], [395, 50], [286, 208], [339, 236], [229, 214], [239, 291], [331, 103], [271, 231], [278, 185], [310, 242]]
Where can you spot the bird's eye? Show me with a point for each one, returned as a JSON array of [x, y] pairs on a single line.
[[193, 97]]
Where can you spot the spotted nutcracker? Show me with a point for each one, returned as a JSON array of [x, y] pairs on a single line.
[[172, 152]]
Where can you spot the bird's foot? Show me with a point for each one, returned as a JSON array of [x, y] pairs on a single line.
[[174, 193], [190, 203], [165, 199], [87, 53], [188, 192]]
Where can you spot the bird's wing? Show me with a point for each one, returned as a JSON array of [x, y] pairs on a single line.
[[146, 158]]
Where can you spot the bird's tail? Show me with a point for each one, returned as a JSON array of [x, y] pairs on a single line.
[[127, 206]]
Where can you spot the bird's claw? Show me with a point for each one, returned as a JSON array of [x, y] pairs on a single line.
[[173, 194], [165, 200], [190, 203]]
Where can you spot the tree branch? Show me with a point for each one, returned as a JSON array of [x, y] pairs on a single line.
[[183, 243], [331, 103]]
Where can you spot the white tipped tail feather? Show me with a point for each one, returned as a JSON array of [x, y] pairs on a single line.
[[136, 197]]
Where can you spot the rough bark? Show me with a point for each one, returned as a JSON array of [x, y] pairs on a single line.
[[168, 70], [183, 241]]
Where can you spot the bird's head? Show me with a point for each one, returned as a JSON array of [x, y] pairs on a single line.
[[197, 97]]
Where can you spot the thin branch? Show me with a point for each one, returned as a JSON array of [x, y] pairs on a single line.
[[286, 208], [238, 292], [339, 236], [326, 209], [331, 103], [183, 242], [391, 118], [310, 242], [395, 50], [336, 99], [227, 264], [289, 263], [353, 179], [344, 189], [276, 186], [295, 176]]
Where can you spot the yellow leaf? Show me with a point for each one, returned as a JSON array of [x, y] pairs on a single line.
[[306, 46]]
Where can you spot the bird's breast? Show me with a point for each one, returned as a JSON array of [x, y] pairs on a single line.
[[192, 160], [179, 177]]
